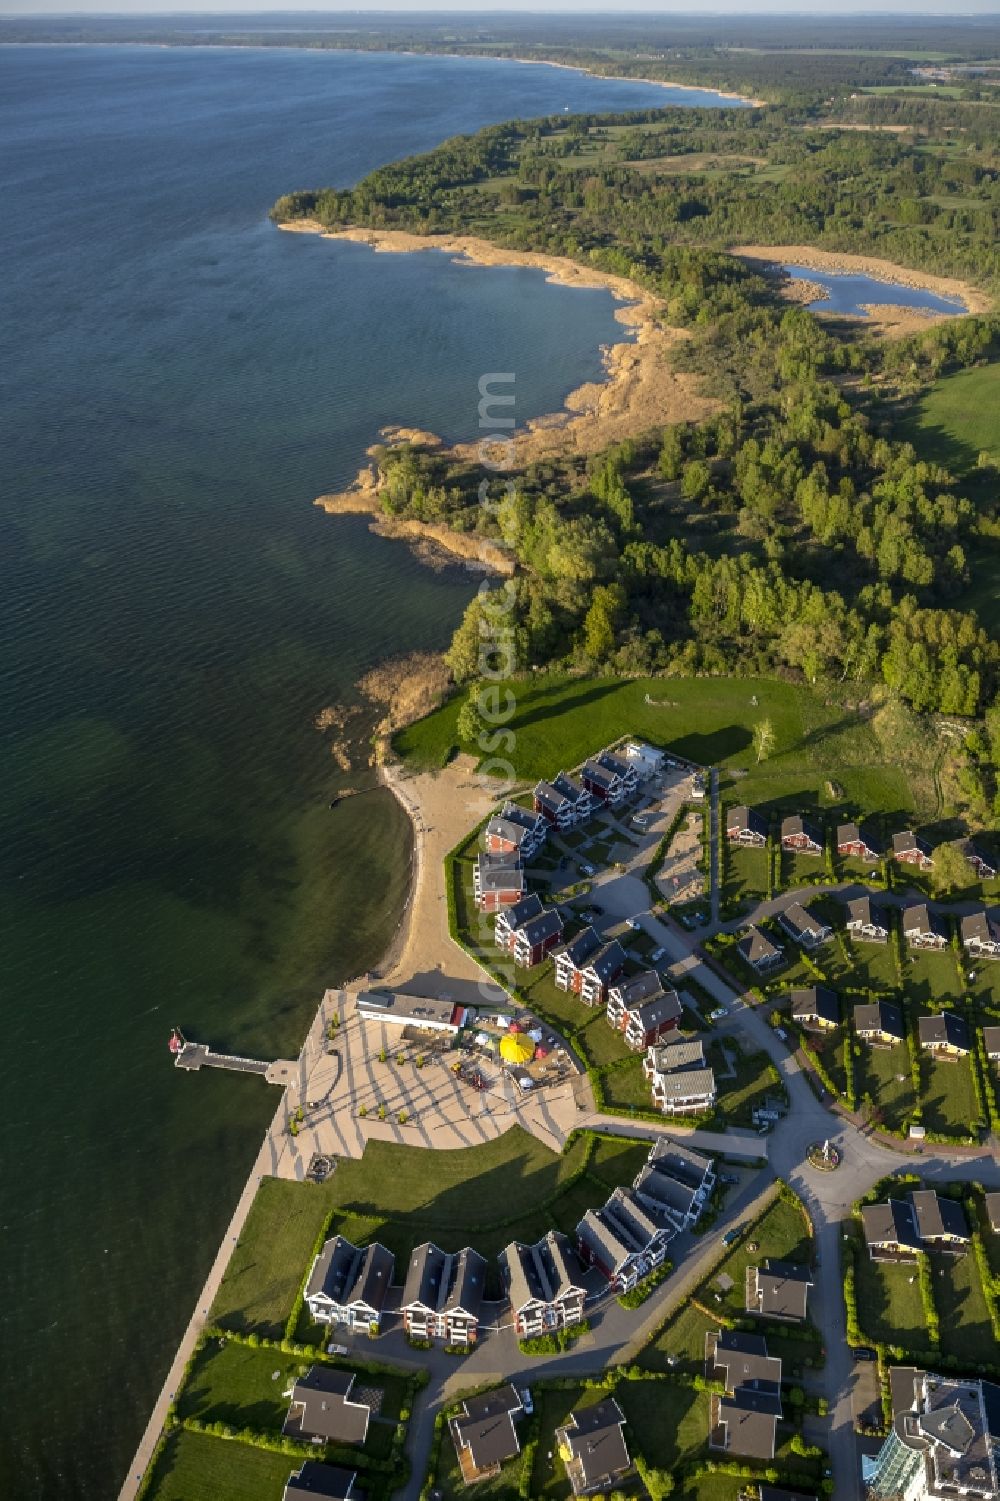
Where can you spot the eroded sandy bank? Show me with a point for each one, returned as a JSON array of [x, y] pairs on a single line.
[[640, 390], [866, 265]]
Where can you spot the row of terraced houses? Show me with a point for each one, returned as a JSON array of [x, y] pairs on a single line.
[[798, 834]]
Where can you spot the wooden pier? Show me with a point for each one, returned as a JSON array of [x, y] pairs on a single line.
[[196, 1055]]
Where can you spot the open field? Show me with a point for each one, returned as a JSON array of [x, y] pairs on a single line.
[[958, 418], [889, 1307], [884, 1074], [949, 1098], [667, 1431], [560, 721], [196, 1467], [746, 874], [966, 1330]]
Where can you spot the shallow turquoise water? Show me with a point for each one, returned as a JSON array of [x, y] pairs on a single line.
[[849, 294], [178, 380]]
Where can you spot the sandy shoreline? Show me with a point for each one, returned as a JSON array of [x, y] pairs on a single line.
[[640, 390], [866, 265]]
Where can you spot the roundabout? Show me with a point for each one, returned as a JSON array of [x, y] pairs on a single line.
[[824, 1156]]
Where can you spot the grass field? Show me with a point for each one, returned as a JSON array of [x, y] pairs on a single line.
[[884, 1074], [745, 874], [196, 1467], [670, 1429], [560, 721], [231, 1383], [949, 1099], [966, 1330], [958, 418], [755, 1077], [389, 1195], [889, 1307]]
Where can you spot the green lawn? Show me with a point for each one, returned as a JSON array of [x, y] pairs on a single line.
[[244, 1387], [196, 1467], [799, 870], [958, 418], [388, 1194], [668, 1425], [617, 1160], [949, 1098], [627, 1086], [548, 1476], [502, 1487], [867, 966], [755, 1077], [601, 1042], [269, 1262], [560, 721], [931, 977], [889, 1307], [746, 874], [966, 1330], [884, 1074]]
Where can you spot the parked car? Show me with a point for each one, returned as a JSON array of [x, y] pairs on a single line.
[[864, 1352], [527, 1401], [730, 1236], [640, 820], [633, 923], [729, 1178], [336, 1349], [780, 1032], [717, 1014], [588, 870], [657, 955]]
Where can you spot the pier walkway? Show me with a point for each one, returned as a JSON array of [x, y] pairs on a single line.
[[196, 1055]]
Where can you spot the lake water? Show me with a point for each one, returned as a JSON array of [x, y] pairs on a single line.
[[178, 380], [849, 295]]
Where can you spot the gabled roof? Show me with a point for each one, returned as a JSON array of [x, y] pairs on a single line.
[[867, 912], [525, 818], [891, 1223], [879, 1016], [466, 1283], [580, 948], [621, 766], [918, 918], [626, 1211], [570, 788], [817, 1000], [682, 1161], [513, 832], [316, 1479], [743, 817], [907, 840], [795, 823], [607, 963], [424, 1276], [755, 945], [686, 1084], [548, 794], [937, 1216], [523, 911], [991, 1040], [605, 1239], [852, 833], [663, 1008], [536, 930], [801, 920], [984, 926], [602, 776], [744, 1362], [674, 1057], [542, 1273], [327, 1410], [943, 1030], [783, 1287], [635, 989], [499, 872], [665, 1190], [486, 1427], [595, 1440]]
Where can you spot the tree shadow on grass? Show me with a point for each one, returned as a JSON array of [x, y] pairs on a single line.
[[712, 748]]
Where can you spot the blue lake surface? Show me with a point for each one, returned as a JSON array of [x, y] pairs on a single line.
[[178, 380], [849, 294]]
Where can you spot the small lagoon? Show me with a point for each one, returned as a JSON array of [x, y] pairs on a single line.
[[851, 295]]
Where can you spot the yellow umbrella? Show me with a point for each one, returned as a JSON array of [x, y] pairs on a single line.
[[517, 1048]]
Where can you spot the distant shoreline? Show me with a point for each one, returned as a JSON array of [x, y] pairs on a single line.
[[834, 261], [541, 62]]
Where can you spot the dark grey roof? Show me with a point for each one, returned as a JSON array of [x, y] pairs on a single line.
[[879, 1016], [315, 1479], [918, 918], [795, 823], [816, 1000], [750, 1424], [991, 1040], [637, 988], [349, 1275], [542, 1273], [742, 817], [993, 1215], [595, 1439], [801, 920], [487, 1427], [580, 948], [629, 1215], [755, 945], [663, 1008], [526, 818], [745, 1363], [621, 766], [852, 833], [466, 1283], [321, 1405], [784, 1289], [891, 1223], [606, 1240], [974, 851], [983, 926], [511, 830], [907, 840], [569, 787], [945, 1029], [603, 776], [608, 962], [550, 795], [867, 912], [537, 929], [936, 1216], [500, 872], [664, 1189], [523, 911], [424, 1276], [682, 1161]]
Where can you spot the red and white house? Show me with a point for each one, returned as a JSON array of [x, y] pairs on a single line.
[[981, 935], [924, 929], [515, 831], [610, 778], [801, 836], [528, 931], [599, 973], [623, 1240], [909, 850], [498, 882], [514, 917], [982, 860], [643, 1010], [746, 826], [563, 802], [571, 961], [857, 842]]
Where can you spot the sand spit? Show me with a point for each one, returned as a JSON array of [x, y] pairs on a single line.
[[866, 265], [640, 390]]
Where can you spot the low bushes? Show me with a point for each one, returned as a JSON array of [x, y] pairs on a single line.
[[556, 1342], [638, 1294]]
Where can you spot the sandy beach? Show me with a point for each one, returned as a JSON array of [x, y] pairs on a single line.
[[866, 265], [640, 390]]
